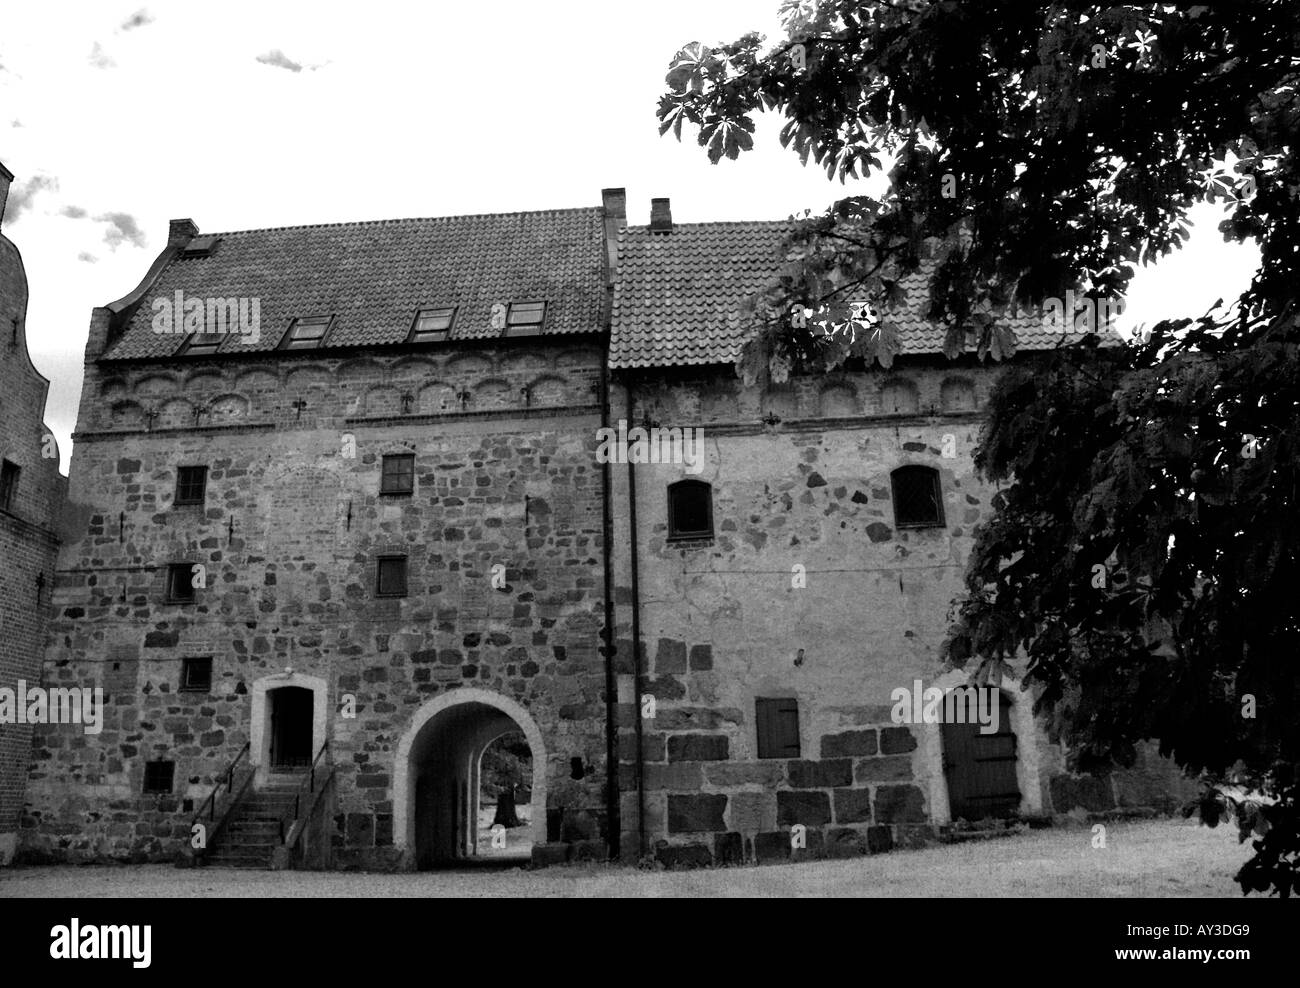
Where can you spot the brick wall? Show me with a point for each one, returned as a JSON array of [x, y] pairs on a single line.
[[27, 540]]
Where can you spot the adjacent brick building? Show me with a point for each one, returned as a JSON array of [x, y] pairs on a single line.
[[375, 534], [31, 492]]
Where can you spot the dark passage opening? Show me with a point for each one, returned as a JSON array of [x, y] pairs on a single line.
[[469, 764]]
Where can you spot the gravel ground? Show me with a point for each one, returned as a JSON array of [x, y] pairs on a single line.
[[1173, 858]]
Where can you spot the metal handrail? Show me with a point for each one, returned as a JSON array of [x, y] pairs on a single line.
[[295, 836], [309, 785], [210, 804]]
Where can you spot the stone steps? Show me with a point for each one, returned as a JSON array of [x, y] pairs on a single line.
[[250, 838]]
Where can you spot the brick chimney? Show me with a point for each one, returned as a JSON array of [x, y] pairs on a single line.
[[6, 180], [661, 216], [614, 202], [181, 232]]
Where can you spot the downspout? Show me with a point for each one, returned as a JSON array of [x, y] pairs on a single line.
[[636, 636], [612, 808]]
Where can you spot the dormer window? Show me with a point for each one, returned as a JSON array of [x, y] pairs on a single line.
[[201, 343], [432, 325], [200, 246], [306, 333], [525, 319]]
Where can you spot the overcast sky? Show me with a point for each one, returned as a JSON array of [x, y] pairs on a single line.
[[116, 118]]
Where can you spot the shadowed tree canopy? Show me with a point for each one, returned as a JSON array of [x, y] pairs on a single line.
[[1143, 559]]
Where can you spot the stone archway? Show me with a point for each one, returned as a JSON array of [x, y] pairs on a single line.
[[1027, 749], [436, 773]]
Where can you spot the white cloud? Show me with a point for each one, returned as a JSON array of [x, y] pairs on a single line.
[[280, 60], [139, 19]]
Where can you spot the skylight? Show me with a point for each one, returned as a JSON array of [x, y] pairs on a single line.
[[201, 343], [200, 246], [306, 333], [432, 325], [525, 319]]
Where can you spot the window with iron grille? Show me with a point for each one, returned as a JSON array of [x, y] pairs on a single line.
[[9, 473], [191, 485], [390, 580], [525, 318], [690, 510], [398, 475], [777, 721], [306, 333], [918, 497], [158, 776], [196, 674], [201, 343], [180, 583], [432, 325]]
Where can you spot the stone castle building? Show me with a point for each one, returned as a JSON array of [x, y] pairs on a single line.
[[320, 562], [31, 493]]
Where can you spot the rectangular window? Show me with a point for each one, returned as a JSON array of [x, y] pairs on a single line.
[[432, 325], [399, 474], [918, 497], [158, 776], [191, 484], [778, 727], [196, 674], [306, 333], [391, 578], [690, 510], [180, 583], [525, 318], [8, 484]]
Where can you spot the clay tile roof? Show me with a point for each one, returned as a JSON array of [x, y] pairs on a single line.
[[677, 296], [373, 277]]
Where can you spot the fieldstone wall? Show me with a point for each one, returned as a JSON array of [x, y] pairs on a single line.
[[289, 535], [808, 591]]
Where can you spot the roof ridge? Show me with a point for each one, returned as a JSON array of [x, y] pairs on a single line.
[[594, 210], [638, 227]]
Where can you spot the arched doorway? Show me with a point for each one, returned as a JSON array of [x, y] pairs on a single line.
[[1019, 737], [289, 722], [436, 775]]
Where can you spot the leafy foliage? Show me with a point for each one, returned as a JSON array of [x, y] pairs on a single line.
[[1143, 557], [506, 763], [1033, 147]]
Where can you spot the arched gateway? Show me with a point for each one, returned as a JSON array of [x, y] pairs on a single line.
[[436, 774]]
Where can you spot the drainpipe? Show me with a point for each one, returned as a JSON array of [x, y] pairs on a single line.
[[636, 635], [612, 809]]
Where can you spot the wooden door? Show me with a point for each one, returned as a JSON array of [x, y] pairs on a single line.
[[981, 768]]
